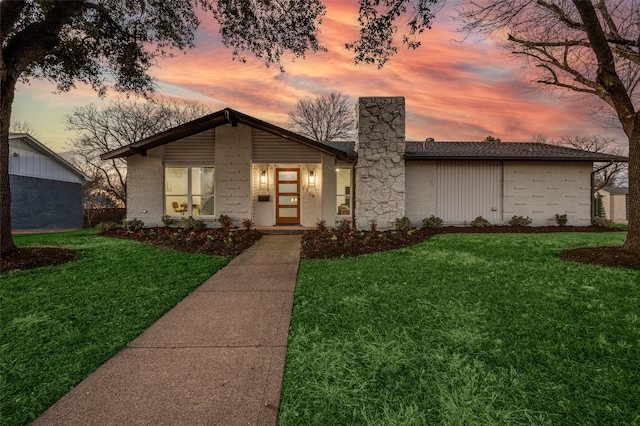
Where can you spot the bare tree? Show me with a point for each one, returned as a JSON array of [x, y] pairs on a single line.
[[324, 118], [607, 174], [119, 124], [588, 47], [22, 127]]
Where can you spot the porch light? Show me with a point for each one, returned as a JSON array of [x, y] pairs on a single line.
[[263, 177], [312, 178]]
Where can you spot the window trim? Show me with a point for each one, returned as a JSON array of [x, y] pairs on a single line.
[[189, 195]]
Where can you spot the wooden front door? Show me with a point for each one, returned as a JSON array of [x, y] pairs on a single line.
[[287, 196]]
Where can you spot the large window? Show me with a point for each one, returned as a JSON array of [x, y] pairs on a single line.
[[343, 191], [189, 191]]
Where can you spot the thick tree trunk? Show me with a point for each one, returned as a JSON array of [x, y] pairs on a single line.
[[633, 236], [7, 90]]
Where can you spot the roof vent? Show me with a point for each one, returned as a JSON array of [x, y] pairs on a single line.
[[430, 140]]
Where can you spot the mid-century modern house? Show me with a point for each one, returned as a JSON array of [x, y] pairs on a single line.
[[46, 191], [615, 202], [233, 164]]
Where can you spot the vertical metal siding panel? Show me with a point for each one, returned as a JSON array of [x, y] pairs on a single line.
[[196, 150], [268, 148], [467, 189]]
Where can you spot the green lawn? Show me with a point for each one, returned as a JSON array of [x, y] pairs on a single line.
[[58, 324], [465, 329]]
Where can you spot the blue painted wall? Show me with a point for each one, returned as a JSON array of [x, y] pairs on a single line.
[[44, 204]]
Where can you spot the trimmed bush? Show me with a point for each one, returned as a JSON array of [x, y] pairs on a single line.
[[168, 220], [344, 226], [432, 222], [520, 221], [133, 224], [191, 224], [480, 222], [108, 226], [247, 224], [561, 219], [225, 221], [403, 224], [602, 221]]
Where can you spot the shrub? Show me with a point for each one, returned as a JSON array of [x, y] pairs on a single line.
[[133, 224], [480, 222], [225, 221], [168, 220], [602, 221], [247, 224], [191, 224], [432, 222], [373, 225], [561, 219], [520, 221], [403, 224], [321, 225], [108, 226], [344, 226]]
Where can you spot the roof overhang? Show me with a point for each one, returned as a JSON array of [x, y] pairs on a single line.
[[220, 118]]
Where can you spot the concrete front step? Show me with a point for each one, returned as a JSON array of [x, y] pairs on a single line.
[[284, 229]]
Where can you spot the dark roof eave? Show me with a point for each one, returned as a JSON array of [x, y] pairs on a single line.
[[410, 156]]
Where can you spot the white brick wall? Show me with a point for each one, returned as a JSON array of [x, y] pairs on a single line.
[[542, 189], [145, 188], [233, 172], [421, 190]]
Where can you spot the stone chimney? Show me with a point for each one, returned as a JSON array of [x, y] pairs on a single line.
[[380, 170]]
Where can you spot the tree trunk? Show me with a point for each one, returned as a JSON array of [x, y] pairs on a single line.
[[7, 90], [633, 235]]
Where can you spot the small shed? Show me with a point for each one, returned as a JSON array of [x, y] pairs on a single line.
[[615, 202], [46, 190]]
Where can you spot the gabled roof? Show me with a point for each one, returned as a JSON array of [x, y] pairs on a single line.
[[616, 190], [42, 149], [502, 151], [211, 121]]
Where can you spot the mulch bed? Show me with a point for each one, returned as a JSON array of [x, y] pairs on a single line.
[[34, 257], [362, 242]]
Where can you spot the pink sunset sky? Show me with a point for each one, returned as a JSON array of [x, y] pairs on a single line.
[[456, 89]]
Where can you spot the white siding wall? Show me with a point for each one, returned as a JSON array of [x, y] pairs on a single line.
[[542, 189], [468, 189], [145, 187], [421, 190], [30, 163]]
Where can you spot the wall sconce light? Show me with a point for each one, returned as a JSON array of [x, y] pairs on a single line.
[[312, 178], [15, 154], [263, 177]]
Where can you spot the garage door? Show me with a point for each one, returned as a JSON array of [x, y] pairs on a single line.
[[468, 189]]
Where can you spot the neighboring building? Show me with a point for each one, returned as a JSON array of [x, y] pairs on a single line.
[[615, 201], [46, 191], [233, 164]]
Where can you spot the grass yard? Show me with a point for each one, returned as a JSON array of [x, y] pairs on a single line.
[[465, 329], [58, 324]]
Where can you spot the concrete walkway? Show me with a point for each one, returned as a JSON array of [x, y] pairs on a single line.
[[217, 358]]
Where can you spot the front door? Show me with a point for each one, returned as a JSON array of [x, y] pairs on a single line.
[[287, 196]]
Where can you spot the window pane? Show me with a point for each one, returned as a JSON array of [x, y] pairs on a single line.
[[343, 191], [293, 175], [287, 200], [202, 180], [288, 212], [176, 205], [176, 181], [291, 188], [207, 205]]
